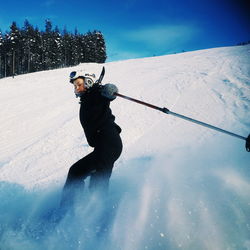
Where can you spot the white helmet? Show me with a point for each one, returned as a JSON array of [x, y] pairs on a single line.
[[89, 78]]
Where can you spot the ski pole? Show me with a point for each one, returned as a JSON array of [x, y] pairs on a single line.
[[167, 111]]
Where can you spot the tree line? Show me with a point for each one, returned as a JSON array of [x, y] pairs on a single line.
[[28, 49], [243, 43]]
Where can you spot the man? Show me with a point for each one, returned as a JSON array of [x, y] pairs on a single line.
[[102, 133]]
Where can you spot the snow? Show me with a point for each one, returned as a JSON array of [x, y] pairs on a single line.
[[176, 185]]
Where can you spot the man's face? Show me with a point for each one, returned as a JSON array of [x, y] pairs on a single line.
[[79, 85]]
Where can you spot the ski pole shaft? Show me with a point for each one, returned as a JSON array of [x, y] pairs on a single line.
[[167, 111], [206, 125], [140, 102]]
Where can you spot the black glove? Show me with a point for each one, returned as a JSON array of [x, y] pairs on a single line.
[[108, 91]]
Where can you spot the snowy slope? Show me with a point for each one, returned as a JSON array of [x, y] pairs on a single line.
[[176, 185]]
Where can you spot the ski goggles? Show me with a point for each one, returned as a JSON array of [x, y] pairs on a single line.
[[73, 75]]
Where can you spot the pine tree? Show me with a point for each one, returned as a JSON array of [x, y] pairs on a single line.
[[90, 47], [38, 51], [66, 47], [28, 43], [15, 42], [47, 43], [100, 47], [6, 55], [75, 49], [56, 49], [95, 49], [82, 48]]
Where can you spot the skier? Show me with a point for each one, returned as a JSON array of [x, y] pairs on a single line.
[[102, 133]]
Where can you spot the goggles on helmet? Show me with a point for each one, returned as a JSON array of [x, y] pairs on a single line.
[[73, 75]]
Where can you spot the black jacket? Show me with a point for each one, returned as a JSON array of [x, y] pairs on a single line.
[[95, 114]]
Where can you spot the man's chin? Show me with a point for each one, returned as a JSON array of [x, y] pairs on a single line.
[[79, 94]]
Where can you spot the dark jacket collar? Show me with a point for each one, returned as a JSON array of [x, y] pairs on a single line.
[[94, 88]]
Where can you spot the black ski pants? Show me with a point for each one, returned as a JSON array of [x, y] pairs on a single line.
[[98, 164]]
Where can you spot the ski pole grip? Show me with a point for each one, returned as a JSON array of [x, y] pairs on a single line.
[[248, 143]]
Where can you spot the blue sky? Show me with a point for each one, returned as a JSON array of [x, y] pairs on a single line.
[[137, 28]]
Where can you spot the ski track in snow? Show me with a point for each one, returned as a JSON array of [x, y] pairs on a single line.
[[176, 186]]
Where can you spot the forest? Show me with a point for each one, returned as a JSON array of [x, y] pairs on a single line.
[[29, 49]]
